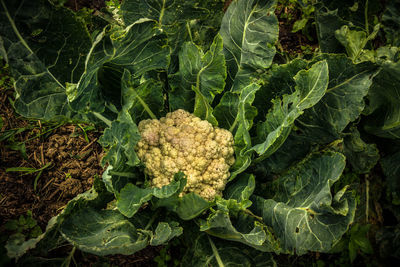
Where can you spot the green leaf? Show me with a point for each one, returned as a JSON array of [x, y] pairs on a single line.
[[327, 22], [359, 237], [231, 220], [243, 229], [384, 99], [249, 30], [299, 24], [302, 212], [276, 82], [206, 251], [165, 232], [142, 100], [226, 111], [165, 12], [355, 41], [131, 48], [121, 139], [342, 103], [310, 87], [105, 232], [187, 207], [200, 78], [241, 189], [131, 197], [45, 48], [239, 108], [362, 156], [172, 16]]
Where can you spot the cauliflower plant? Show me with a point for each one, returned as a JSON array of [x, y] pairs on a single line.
[[183, 142]]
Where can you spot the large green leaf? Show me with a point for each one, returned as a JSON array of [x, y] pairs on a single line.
[[249, 31], [45, 48], [302, 211], [384, 99], [139, 48], [324, 122], [200, 78], [343, 102], [207, 251], [105, 232], [310, 88], [242, 228]]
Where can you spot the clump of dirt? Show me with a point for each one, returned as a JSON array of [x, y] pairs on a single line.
[[72, 164]]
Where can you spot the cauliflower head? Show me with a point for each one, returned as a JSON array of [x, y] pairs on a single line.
[[183, 142]]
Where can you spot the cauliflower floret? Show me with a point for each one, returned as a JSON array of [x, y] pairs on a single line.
[[183, 142]]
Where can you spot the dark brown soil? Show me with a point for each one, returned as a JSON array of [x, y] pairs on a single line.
[[292, 42]]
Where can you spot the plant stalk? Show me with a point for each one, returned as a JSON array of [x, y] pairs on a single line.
[[102, 118], [215, 251]]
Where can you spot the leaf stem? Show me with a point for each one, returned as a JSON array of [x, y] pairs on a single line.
[[70, 257], [102, 118], [161, 14], [253, 215], [189, 31], [366, 198], [152, 220], [215, 251], [233, 125], [145, 106]]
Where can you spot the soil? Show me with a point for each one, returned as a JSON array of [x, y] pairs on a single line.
[[294, 42]]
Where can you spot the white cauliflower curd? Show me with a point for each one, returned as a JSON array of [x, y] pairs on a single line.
[[183, 142]]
